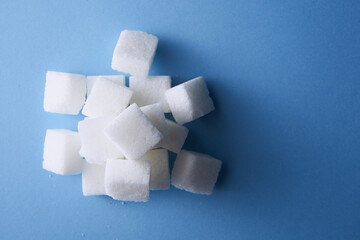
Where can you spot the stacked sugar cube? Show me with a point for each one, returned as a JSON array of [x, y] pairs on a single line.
[[121, 147]]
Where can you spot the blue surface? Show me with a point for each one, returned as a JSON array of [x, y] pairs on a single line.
[[285, 78]]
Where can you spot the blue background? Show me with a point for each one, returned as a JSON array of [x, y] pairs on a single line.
[[285, 78]]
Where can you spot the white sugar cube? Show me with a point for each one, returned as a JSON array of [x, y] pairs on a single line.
[[133, 133], [195, 172], [190, 100], [93, 177], [90, 80], [157, 118], [127, 180], [150, 90], [178, 135], [61, 152], [96, 147], [106, 98], [159, 173], [134, 53], [64, 92]]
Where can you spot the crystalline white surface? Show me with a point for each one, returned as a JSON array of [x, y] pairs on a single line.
[[93, 177], [134, 53], [159, 174], [96, 147], [90, 81], [61, 152], [156, 116], [106, 98], [190, 100], [195, 172], [133, 133], [178, 135], [150, 90], [64, 92], [127, 180]]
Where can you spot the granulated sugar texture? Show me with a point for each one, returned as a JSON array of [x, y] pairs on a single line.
[[121, 147]]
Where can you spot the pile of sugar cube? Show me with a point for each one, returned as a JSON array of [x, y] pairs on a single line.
[[121, 147]]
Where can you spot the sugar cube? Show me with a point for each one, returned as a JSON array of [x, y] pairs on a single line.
[[159, 173], [90, 80], [64, 92], [61, 152], [150, 90], [127, 180], [178, 135], [106, 98], [96, 146], [190, 100], [93, 177], [195, 172], [157, 118], [133, 133], [134, 53]]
